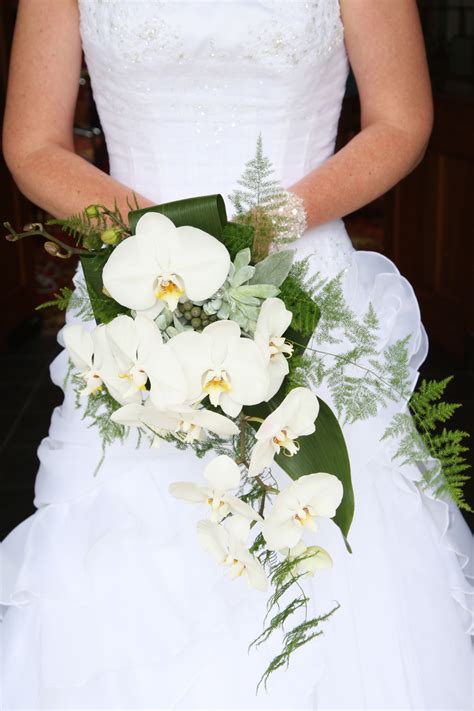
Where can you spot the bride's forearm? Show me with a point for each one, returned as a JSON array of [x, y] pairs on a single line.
[[370, 164], [63, 183]]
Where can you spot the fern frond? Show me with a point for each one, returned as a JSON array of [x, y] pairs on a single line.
[[440, 454], [61, 300]]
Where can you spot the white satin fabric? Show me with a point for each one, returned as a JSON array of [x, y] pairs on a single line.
[[109, 603]]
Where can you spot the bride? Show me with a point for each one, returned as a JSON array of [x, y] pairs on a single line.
[[107, 602]]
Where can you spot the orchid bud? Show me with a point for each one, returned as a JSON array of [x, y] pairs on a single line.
[[92, 211], [110, 236], [52, 248]]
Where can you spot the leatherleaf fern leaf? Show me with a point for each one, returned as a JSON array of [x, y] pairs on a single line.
[[425, 441]]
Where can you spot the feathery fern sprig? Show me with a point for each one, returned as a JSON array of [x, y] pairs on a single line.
[[61, 301], [98, 408], [293, 640]]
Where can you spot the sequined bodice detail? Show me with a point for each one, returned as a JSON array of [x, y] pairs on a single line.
[[184, 87]]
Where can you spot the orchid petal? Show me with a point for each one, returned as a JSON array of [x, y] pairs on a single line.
[[188, 492], [202, 262], [129, 276], [79, 345], [262, 456], [240, 508], [222, 473], [323, 492], [283, 535], [212, 421], [213, 539], [238, 528]]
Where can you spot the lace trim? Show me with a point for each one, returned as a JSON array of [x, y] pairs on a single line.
[[276, 33]]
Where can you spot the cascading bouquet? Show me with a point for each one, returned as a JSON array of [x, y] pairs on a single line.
[[202, 340], [193, 344]]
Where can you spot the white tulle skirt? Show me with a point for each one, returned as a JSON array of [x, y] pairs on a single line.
[[109, 603]]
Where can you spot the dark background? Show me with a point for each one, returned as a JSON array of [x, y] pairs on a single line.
[[424, 225]]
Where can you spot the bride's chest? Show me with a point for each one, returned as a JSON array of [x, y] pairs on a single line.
[[274, 34]]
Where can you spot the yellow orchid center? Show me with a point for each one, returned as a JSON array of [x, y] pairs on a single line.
[[93, 381], [236, 566], [216, 383], [304, 517], [279, 345], [284, 440], [170, 290], [135, 376]]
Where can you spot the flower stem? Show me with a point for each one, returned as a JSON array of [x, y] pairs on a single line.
[[38, 229]]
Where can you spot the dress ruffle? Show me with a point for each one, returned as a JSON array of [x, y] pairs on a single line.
[[107, 589]]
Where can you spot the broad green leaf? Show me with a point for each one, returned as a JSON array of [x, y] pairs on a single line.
[[104, 307]]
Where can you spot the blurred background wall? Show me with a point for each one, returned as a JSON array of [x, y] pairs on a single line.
[[424, 225]]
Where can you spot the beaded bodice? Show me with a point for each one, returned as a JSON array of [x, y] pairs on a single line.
[[184, 87]]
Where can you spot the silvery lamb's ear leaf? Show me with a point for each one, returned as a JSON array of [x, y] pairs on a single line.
[[273, 269], [242, 275], [261, 291], [242, 259], [237, 295], [223, 312]]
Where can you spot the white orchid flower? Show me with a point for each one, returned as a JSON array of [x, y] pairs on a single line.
[[141, 355], [293, 418], [223, 476], [162, 263], [185, 422], [273, 320], [84, 350], [298, 506], [90, 353], [228, 546], [313, 558], [220, 363]]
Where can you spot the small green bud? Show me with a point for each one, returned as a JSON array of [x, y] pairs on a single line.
[[187, 315], [196, 322], [196, 311], [205, 323], [110, 236], [212, 318], [92, 211], [187, 306]]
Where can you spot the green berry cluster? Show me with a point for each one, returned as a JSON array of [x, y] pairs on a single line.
[[195, 315]]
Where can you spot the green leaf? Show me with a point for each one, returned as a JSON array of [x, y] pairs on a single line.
[[206, 212], [236, 237], [306, 312], [273, 269], [104, 307]]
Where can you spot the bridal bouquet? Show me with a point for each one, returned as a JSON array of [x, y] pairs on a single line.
[[193, 344], [201, 339]]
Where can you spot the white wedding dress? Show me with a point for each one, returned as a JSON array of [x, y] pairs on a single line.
[[109, 603]]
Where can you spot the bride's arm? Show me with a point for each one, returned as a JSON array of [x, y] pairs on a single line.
[[38, 127], [386, 51]]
